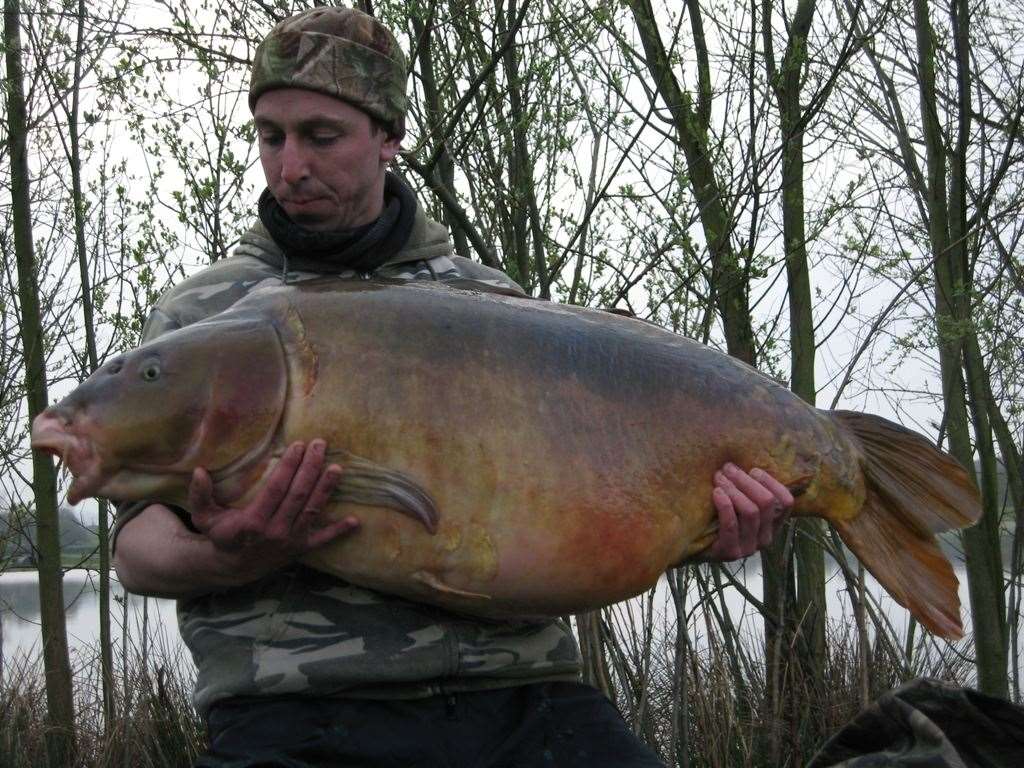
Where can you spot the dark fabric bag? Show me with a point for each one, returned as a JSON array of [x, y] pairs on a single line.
[[929, 724], [563, 725]]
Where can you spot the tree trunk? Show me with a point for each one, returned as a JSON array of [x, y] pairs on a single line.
[[424, 29], [78, 200], [946, 219], [811, 608], [729, 279], [987, 531], [1015, 484], [729, 284], [595, 660], [523, 185], [60, 712]]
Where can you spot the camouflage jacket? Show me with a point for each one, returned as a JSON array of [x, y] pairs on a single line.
[[300, 632]]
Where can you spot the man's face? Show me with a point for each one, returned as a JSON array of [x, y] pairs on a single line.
[[323, 158]]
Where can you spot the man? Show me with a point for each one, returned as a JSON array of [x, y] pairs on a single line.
[[296, 668]]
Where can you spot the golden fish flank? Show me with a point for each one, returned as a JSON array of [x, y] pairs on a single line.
[[506, 456]]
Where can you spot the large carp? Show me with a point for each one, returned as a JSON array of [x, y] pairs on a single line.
[[505, 456]]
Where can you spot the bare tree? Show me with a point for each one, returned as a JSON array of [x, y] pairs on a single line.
[[44, 487]]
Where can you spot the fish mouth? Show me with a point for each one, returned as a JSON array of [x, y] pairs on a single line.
[[74, 453]]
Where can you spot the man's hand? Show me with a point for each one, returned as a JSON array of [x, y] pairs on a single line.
[[282, 523], [750, 509]]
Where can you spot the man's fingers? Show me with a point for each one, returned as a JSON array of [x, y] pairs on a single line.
[[330, 532], [277, 487], [727, 542], [752, 489], [200, 489], [784, 503], [750, 508], [325, 486], [318, 499], [200, 498], [303, 484], [778, 490], [748, 512]]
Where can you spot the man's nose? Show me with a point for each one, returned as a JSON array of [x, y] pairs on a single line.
[[294, 163]]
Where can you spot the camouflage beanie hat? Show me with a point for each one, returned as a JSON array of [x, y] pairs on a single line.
[[342, 52]]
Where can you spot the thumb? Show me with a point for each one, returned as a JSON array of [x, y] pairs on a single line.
[[200, 498]]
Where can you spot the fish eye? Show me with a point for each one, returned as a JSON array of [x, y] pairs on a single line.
[[150, 371]]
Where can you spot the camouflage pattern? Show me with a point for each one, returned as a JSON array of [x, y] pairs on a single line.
[[929, 724], [304, 632], [257, 258], [342, 52]]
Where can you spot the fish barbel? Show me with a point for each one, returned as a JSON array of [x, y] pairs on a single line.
[[505, 456]]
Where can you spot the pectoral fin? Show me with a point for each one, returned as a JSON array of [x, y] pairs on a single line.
[[364, 482]]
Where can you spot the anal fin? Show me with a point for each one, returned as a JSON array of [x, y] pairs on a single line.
[[435, 583]]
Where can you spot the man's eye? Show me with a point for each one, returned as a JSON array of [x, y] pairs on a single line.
[[270, 138], [324, 139]]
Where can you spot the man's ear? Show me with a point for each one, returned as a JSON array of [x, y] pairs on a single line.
[[390, 148]]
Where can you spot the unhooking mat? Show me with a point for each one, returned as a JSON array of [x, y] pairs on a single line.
[[929, 724]]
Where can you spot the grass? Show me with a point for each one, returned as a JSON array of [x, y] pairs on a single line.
[[154, 725], [719, 721], [726, 721]]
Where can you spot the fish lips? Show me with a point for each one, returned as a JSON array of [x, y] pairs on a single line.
[[51, 435]]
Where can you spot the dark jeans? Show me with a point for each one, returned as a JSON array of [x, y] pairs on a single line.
[[557, 725]]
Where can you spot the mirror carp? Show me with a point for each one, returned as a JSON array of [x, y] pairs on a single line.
[[506, 457]]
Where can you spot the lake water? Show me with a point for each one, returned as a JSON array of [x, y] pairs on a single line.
[[145, 623]]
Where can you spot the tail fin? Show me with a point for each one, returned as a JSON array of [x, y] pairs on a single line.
[[914, 491]]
